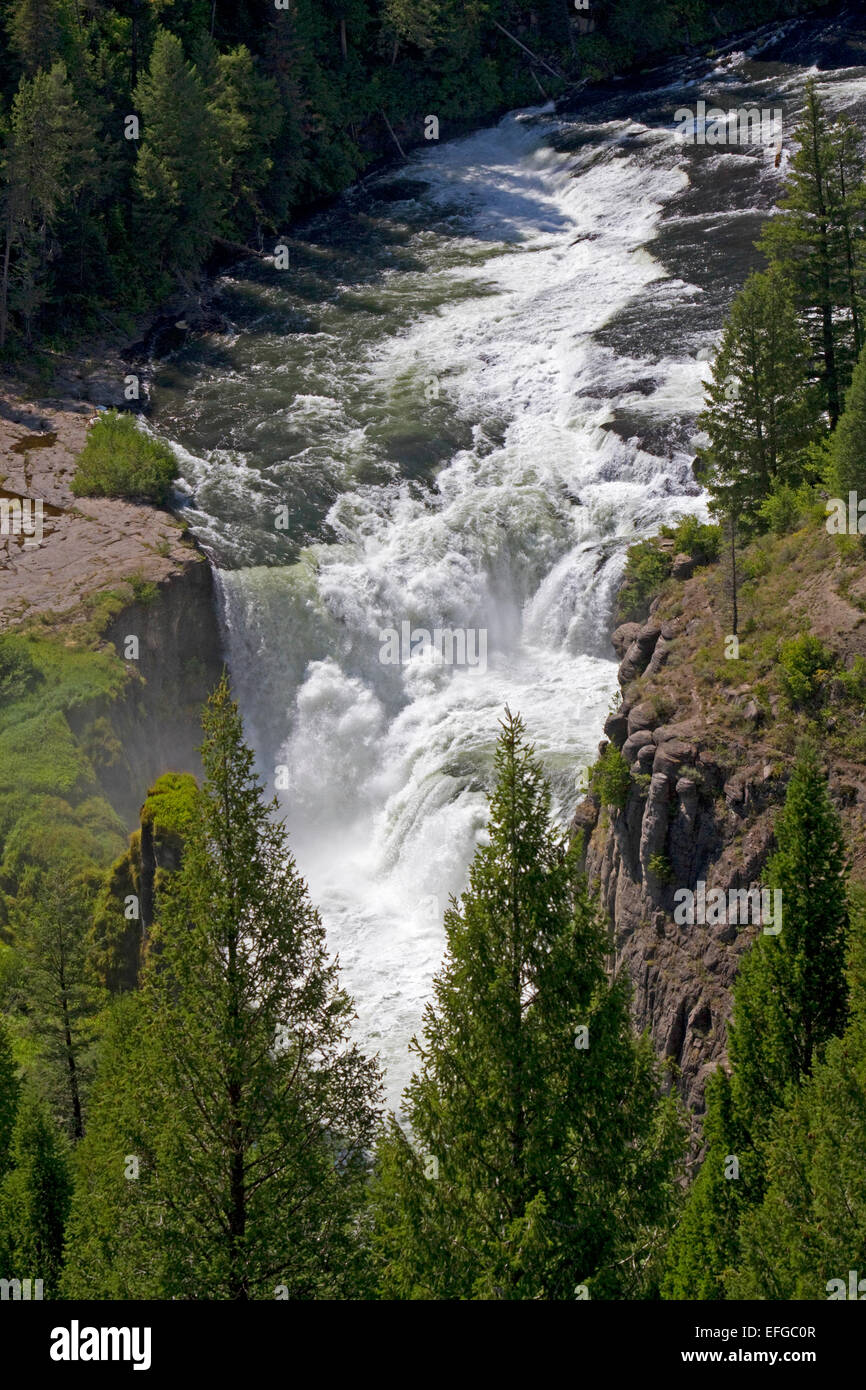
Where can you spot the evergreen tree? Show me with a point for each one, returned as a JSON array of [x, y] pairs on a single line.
[[791, 992], [811, 1226], [705, 1244], [848, 448], [790, 1002], [758, 412], [541, 1157], [34, 1200], [249, 1107], [35, 32], [819, 241], [179, 175], [9, 1092], [49, 160], [58, 1002]]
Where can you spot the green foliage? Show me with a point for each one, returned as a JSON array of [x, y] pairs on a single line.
[[695, 538], [120, 460], [806, 665], [759, 414], [10, 1090], [760, 1234], [848, 450], [646, 569], [541, 1156], [34, 1200], [610, 779], [234, 1078], [55, 1001], [660, 866], [786, 508], [19, 674], [791, 993], [818, 243]]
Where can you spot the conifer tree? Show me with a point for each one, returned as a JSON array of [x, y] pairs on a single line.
[[57, 1000], [49, 160], [758, 411], [791, 992], [790, 1003], [848, 448], [180, 178], [541, 1158], [818, 240], [251, 1111], [35, 31], [34, 1200], [705, 1244]]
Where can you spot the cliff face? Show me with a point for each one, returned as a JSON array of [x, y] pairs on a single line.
[[103, 574], [709, 743], [156, 726]]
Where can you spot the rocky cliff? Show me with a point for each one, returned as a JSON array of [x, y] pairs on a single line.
[[709, 739]]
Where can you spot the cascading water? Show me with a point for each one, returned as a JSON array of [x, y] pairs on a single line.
[[473, 388]]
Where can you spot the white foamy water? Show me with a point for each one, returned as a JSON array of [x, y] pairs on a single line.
[[513, 262]]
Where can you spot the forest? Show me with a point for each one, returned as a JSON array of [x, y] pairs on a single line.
[[135, 137]]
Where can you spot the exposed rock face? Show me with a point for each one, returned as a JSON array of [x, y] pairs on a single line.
[[709, 763], [672, 833]]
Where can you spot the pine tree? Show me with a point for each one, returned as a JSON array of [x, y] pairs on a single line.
[[819, 242], [758, 412], [250, 1109], [848, 448], [56, 998], [790, 1003], [49, 160], [541, 1157], [34, 1200], [36, 33], [179, 175], [791, 992], [705, 1244], [9, 1093]]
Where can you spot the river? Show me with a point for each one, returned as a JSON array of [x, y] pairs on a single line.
[[474, 385]]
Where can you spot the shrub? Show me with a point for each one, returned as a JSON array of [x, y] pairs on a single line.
[[661, 868], [610, 778], [697, 539], [120, 460], [18, 672], [787, 508], [646, 569], [805, 663]]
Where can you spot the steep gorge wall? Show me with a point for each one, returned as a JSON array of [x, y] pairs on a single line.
[[708, 777]]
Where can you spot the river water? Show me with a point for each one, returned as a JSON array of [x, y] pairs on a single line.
[[474, 385]]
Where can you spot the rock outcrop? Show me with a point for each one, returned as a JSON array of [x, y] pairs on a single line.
[[708, 775]]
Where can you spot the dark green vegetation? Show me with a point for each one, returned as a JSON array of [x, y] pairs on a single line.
[[223, 1136], [247, 113], [553, 1157], [793, 1045], [119, 460]]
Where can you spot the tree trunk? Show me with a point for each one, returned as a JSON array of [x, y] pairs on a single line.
[[343, 44]]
